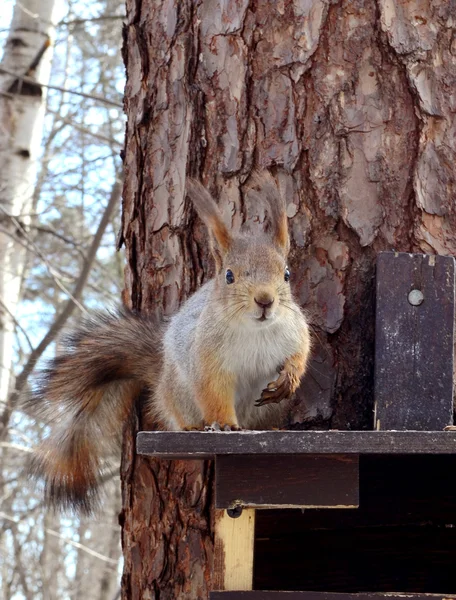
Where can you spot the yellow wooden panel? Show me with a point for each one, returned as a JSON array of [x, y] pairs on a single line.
[[234, 539]]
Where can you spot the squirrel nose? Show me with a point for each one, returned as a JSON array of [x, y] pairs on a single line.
[[265, 301]]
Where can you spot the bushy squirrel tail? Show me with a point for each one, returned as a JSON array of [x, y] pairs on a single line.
[[85, 395]]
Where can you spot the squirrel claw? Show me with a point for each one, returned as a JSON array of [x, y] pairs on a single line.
[[263, 401], [217, 427], [232, 428], [214, 427], [276, 391]]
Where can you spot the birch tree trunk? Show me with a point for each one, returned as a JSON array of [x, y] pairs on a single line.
[[26, 61], [352, 106]]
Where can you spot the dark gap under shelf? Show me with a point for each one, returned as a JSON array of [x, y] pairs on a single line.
[[401, 538]]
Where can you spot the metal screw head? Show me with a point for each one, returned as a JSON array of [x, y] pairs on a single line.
[[415, 297], [234, 510]]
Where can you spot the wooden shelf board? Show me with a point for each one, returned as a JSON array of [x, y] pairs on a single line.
[[204, 445]]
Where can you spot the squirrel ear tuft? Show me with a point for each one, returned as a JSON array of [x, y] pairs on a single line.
[[209, 213], [264, 187]]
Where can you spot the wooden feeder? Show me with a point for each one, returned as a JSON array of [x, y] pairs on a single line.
[[382, 504]]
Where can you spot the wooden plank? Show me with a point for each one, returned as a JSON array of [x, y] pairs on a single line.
[[199, 444], [414, 343], [277, 595], [233, 560], [329, 481]]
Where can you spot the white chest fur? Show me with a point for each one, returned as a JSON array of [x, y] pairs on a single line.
[[256, 352]]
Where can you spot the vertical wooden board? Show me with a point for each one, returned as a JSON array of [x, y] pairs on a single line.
[[414, 344], [266, 481], [234, 541]]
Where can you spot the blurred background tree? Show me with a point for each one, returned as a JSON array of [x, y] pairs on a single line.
[[61, 129]]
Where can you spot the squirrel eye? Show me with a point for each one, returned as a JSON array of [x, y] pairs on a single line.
[[229, 276], [287, 274]]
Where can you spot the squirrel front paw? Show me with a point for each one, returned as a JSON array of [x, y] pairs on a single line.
[[276, 391], [225, 427]]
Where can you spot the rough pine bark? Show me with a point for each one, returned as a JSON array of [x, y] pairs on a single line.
[[352, 105]]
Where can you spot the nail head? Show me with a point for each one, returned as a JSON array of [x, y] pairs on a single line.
[[415, 297]]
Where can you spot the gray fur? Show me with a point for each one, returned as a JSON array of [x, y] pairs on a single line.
[[225, 335]]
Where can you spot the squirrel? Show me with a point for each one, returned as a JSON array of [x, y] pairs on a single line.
[[224, 361]]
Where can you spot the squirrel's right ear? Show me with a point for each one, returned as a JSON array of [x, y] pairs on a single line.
[[268, 192], [209, 213]]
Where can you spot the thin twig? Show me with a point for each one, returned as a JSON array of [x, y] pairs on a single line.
[[15, 447], [30, 13], [67, 540], [62, 318], [16, 322], [64, 238], [91, 20], [58, 88], [82, 547], [98, 136], [52, 271]]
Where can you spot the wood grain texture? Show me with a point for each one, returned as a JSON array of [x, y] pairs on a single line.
[[198, 444], [234, 543], [414, 345], [289, 481]]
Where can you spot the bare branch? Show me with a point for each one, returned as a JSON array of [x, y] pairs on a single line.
[[20, 568], [98, 136], [82, 547], [67, 540], [91, 20], [24, 78], [31, 14], [64, 238], [15, 447], [62, 318], [51, 270], [16, 322]]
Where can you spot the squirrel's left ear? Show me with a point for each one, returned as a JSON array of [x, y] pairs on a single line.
[[264, 188], [209, 213]]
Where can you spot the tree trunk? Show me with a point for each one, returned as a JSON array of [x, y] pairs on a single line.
[[26, 60], [352, 106]]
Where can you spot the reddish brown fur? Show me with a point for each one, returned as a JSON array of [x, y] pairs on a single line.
[[216, 394], [221, 234], [209, 213], [85, 395], [269, 193]]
